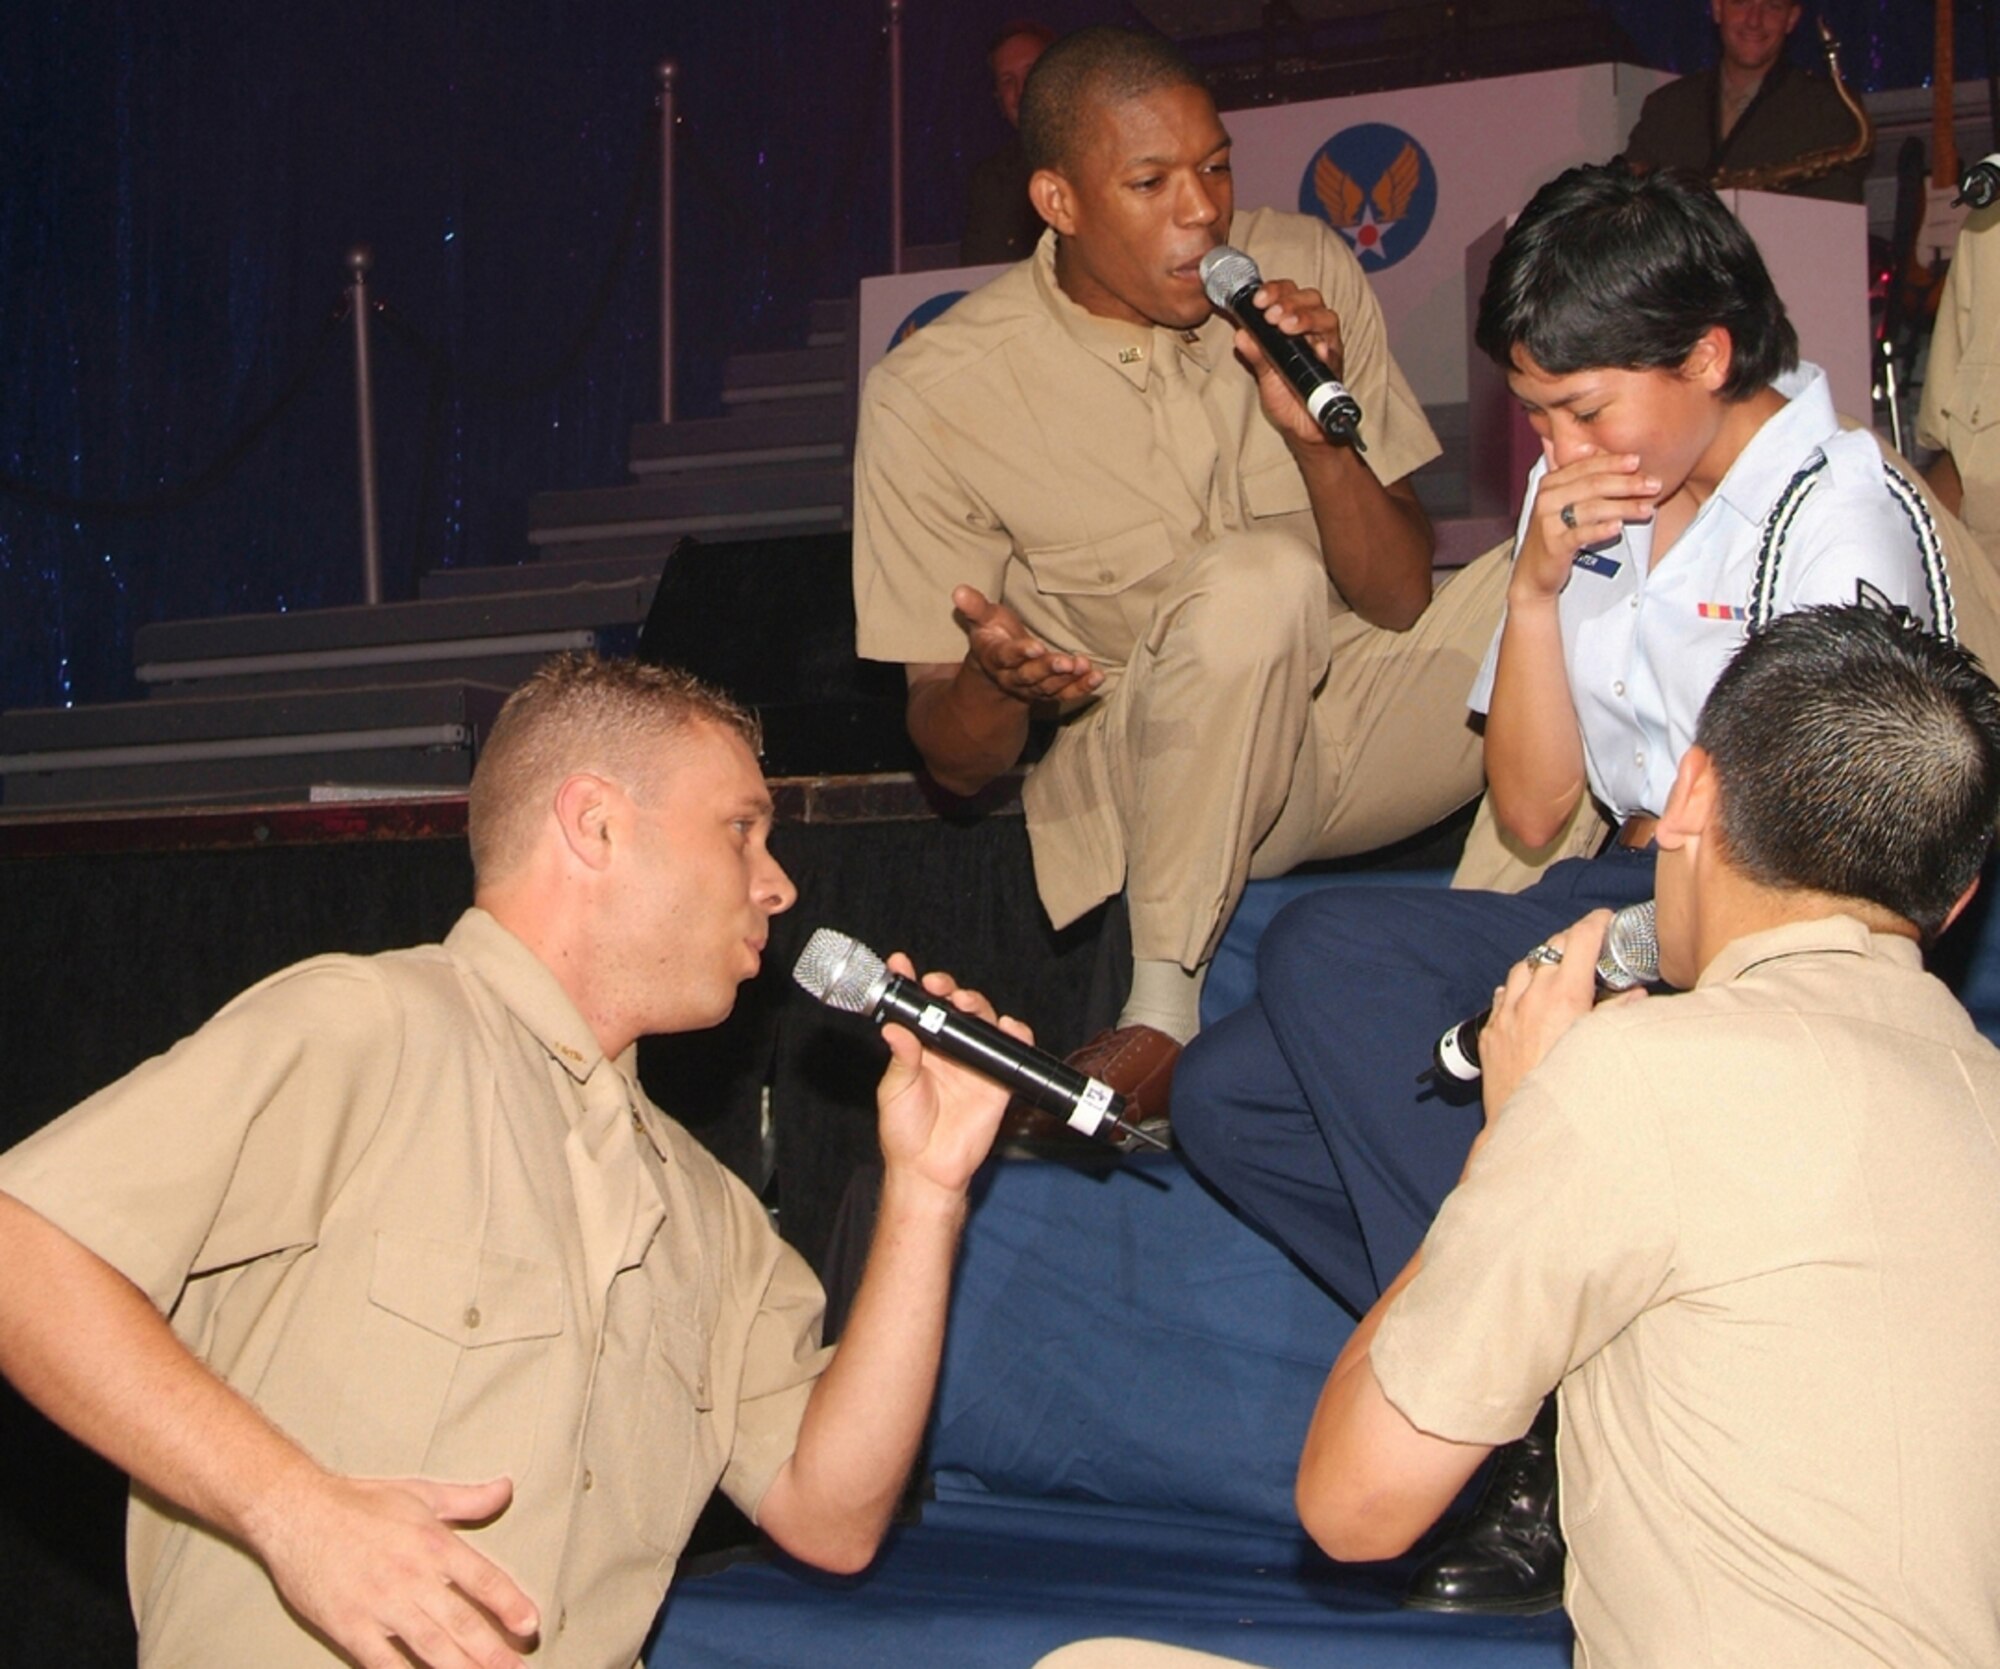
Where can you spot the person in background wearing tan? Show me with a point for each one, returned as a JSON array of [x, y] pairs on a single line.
[[1961, 406], [423, 1334]]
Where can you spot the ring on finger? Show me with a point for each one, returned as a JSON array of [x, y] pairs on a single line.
[[1568, 513], [1543, 956]]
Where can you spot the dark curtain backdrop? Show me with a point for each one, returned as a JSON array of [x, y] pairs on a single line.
[[179, 186]]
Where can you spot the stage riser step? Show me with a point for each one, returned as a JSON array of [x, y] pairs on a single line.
[[828, 317], [744, 372], [504, 671], [747, 506], [779, 428], [742, 524], [556, 568], [266, 721], [169, 651], [281, 779]]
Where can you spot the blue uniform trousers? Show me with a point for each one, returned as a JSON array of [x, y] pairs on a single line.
[[1304, 1107]]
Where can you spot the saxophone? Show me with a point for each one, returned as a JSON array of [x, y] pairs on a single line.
[[1812, 165]]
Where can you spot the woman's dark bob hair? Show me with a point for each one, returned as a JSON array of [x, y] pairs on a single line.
[[1606, 268]]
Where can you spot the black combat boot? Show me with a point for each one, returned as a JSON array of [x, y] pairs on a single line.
[[1507, 1554]]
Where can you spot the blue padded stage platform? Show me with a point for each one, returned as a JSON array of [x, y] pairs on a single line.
[[1127, 1381], [1129, 1376]]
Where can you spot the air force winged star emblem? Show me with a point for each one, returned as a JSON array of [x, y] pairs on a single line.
[[1376, 187]]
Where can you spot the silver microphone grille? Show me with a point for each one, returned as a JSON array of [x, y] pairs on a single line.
[[1631, 954], [842, 972], [1225, 271]]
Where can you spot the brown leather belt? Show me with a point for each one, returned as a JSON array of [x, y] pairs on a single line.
[[1636, 832]]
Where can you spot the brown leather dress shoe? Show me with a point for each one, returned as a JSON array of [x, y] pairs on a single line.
[[1136, 1061]]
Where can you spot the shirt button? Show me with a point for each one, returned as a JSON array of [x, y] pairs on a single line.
[[472, 1316], [1639, 758], [1619, 687], [1633, 604], [589, 1480]]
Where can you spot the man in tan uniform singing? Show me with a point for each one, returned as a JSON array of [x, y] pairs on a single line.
[[422, 1332], [1082, 492], [1752, 1231]]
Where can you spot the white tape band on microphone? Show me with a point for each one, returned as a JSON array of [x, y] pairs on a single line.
[[1093, 1107], [932, 1019]]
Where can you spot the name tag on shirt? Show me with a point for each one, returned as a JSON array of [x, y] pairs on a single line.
[[1596, 562]]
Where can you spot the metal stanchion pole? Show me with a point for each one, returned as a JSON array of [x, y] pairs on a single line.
[[668, 70], [358, 263], [896, 135]]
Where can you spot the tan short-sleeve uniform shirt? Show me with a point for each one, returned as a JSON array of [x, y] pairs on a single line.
[[1961, 405], [1754, 1232], [1012, 445], [352, 1195]]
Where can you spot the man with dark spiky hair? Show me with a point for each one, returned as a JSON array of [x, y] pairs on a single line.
[[1072, 501], [1751, 1232]]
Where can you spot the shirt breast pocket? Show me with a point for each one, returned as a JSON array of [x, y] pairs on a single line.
[[1099, 595], [451, 1350], [1972, 414], [675, 1452], [1275, 489]]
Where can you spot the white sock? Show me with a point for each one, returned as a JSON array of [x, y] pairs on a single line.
[[1165, 996]]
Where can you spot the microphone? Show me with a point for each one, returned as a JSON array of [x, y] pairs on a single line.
[[845, 974], [1981, 182], [1231, 278], [1631, 956]]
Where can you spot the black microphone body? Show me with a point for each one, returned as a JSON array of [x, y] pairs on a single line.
[[845, 974], [1631, 956], [1231, 278]]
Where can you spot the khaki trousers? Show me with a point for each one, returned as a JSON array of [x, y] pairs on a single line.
[[1253, 729]]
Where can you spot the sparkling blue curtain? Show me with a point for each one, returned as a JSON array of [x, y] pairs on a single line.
[[179, 186]]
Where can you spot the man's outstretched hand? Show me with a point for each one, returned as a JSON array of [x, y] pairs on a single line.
[[1017, 661]]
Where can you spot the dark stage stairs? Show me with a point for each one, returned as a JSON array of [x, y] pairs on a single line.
[[746, 515]]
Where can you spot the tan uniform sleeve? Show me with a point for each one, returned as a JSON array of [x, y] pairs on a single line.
[[1559, 1235], [1947, 345], [1399, 436], [230, 1146], [918, 531], [782, 1357]]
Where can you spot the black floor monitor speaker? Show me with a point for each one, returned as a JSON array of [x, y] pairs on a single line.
[[771, 621]]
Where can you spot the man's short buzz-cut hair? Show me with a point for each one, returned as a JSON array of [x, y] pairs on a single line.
[[582, 712], [1607, 269], [1857, 754], [1086, 70]]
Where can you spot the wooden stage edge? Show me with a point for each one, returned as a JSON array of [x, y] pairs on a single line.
[[892, 797]]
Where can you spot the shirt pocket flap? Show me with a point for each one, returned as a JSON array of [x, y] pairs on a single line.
[[466, 1294], [1102, 567], [1275, 489], [1975, 401], [684, 1349]]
